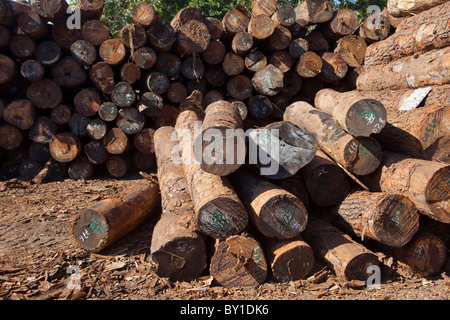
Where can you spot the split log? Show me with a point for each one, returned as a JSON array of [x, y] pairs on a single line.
[[177, 248], [289, 260], [273, 211], [112, 51], [356, 114], [20, 113], [429, 68], [161, 36], [240, 87], [45, 94], [347, 258], [239, 261], [91, 9], [133, 36], [145, 57], [279, 150], [235, 20], [65, 147], [43, 130], [118, 165], [116, 141], [85, 53], [8, 69], [145, 14], [95, 32], [425, 254], [375, 28], [108, 111], [10, 137], [68, 74], [268, 80], [424, 36], [102, 76], [309, 65], [266, 7], [357, 155], [50, 10], [426, 183], [48, 53], [334, 68], [391, 219], [87, 102], [97, 227], [32, 70], [311, 12], [399, 8], [192, 38], [123, 95], [284, 16], [255, 60], [219, 212], [352, 49], [261, 27], [223, 141], [326, 182]]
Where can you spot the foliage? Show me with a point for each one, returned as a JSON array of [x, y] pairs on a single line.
[[117, 13]]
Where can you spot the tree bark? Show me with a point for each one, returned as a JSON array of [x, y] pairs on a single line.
[[400, 8], [430, 68], [426, 183], [177, 247], [355, 113], [99, 226]]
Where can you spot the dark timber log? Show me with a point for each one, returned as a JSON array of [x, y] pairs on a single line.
[[273, 211], [391, 219], [358, 156], [150, 104], [282, 60], [10, 137], [81, 169], [267, 7], [144, 141], [96, 152], [260, 107], [177, 248], [280, 39], [214, 53], [108, 111], [284, 16], [326, 182], [429, 68], [97, 227], [50, 10], [32, 24], [240, 87], [334, 68], [96, 129], [255, 60], [298, 47], [123, 95], [352, 111], [61, 114], [223, 143], [233, 64], [118, 165], [219, 211], [32, 70], [215, 27], [184, 16], [242, 43], [102, 76], [280, 149], [344, 22], [95, 32], [43, 130], [45, 94], [347, 258], [235, 20], [63, 35], [8, 69], [426, 183], [239, 261], [20, 113], [193, 68], [85, 53], [91, 9], [130, 72], [48, 53], [68, 73], [161, 36], [157, 82], [145, 57], [87, 102]]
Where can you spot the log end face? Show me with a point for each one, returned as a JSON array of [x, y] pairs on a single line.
[[366, 117], [89, 231], [359, 267], [293, 262], [426, 255]]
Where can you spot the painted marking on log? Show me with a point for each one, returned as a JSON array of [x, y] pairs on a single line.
[[287, 218], [220, 222], [185, 247], [419, 253], [429, 130], [441, 189], [395, 218], [353, 147], [257, 254]]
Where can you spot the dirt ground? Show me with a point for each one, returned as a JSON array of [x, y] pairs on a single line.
[[37, 255]]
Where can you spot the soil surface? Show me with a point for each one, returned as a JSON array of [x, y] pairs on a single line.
[[37, 258]]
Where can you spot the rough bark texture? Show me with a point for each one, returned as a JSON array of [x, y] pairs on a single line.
[[399, 8], [177, 248], [219, 211], [99, 226]]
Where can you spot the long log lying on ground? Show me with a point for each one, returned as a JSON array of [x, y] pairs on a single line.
[[360, 157], [280, 149], [273, 211], [426, 183], [325, 181], [239, 261], [422, 37], [289, 260], [99, 226], [399, 8], [220, 212], [347, 258], [391, 219], [356, 114], [177, 248], [429, 68]]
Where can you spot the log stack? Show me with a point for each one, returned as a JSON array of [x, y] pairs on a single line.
[[309, 91]]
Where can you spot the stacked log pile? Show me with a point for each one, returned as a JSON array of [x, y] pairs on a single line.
[[360, 113]]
